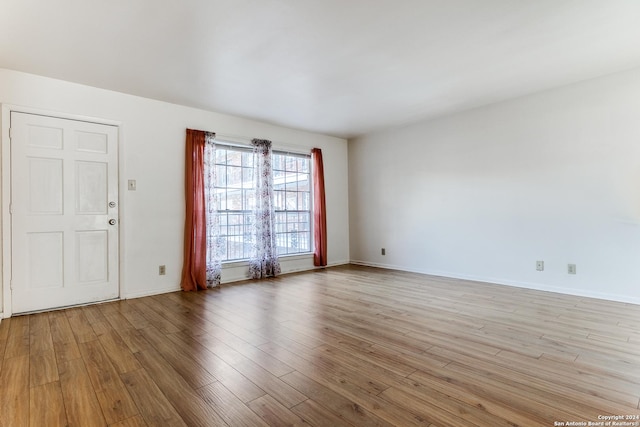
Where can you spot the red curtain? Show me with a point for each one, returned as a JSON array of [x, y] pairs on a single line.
[[319, 210], [194, 268]]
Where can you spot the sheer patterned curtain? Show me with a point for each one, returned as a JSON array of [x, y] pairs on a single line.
[[214, 241], [264, 257]]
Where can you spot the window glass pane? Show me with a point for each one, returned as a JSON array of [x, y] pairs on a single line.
[[278, 162], [248, 219], [303, 201], [292, 217], [247, 177], [244, 196], [305, 239], [292, 200], [249, 200], [290, 164], [281, 222], [221, 176], [303, 164], [247, 159], [234, 177], [221, 155], [304, 222], [303, 182], [234, 200], [281, 242], [278, 177], [234, 158], [291, 183], [279, 200], [297, 241], [223, 248], [279, 184], [222, 201], [232, 249]]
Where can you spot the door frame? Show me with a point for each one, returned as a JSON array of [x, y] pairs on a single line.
[[6, 309]]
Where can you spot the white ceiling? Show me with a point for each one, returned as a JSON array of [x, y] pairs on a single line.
[[339, 67]]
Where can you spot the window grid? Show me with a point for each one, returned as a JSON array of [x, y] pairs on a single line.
[[234, 182], [292, 203], [235, 200]]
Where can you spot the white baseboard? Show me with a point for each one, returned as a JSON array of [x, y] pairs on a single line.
[[229, 279], [237, 272], [517, 284], [150, 292], [335, 264]]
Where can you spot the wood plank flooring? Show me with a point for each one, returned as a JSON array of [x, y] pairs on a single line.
[[345, 346]]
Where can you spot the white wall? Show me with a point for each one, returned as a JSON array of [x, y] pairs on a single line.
[[152, 152], [485, 193]]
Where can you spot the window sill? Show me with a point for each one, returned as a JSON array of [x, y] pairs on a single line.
[[245, 263]]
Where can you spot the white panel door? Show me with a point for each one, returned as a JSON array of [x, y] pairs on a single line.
[[64, 212]]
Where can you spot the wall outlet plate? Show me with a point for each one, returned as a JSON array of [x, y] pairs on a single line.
[[162, 270], [571, 268], [540, 265], [383, 251]]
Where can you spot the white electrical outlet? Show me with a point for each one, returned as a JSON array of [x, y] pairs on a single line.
[[383, 251], [162, 270], [132, 185], [571, 268], [540, 265]]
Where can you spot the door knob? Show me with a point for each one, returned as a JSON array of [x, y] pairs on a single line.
[[112, 221]]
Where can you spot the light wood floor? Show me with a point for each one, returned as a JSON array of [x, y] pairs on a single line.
[[347, 346]]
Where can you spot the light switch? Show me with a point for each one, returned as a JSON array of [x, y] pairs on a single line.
[[132, 185]]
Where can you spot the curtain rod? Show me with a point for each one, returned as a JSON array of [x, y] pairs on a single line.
[[205, 131], [245, 142]]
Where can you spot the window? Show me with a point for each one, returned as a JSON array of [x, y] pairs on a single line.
[[235, 199], [233, 188], [291, 184]]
